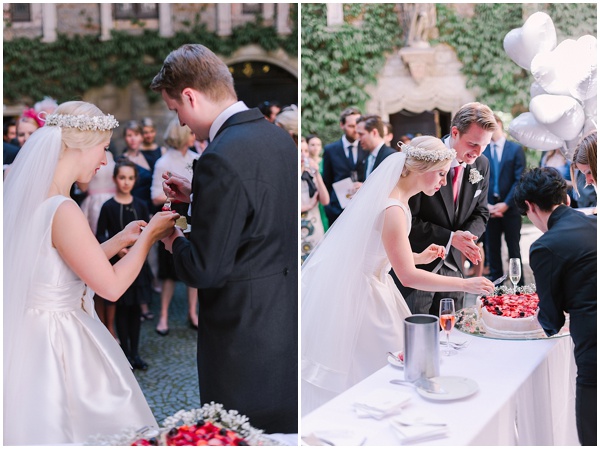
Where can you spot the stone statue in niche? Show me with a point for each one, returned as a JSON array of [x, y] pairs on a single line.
[[422, 27]]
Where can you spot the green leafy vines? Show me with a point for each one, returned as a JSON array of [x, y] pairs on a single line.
[[338, 64], [70, 66]]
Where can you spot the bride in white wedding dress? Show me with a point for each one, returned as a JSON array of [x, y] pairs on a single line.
[[65, 376], [352, 312]]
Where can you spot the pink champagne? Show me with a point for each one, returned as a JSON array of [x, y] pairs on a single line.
[[447, 322]]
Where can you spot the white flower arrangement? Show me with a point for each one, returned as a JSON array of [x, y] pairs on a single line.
[[428, 155], [475, 176], [212, 412], [83, 122]]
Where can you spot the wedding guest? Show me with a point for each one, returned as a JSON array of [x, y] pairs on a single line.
[[352, 312], [177, 159], [61, 365], [149, 137], [28, 122], [507, 162], [456, 216], [585, 158], [288, 120], [371, 133], [115, 215], [314, 148], [340, 160], [270, 109], [314, 193], [144, 161], [556, 160], [564, 264], [242, 253], [388, 134], [10, 130]]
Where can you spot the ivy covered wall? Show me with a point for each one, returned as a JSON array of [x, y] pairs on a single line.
[[70, 66]]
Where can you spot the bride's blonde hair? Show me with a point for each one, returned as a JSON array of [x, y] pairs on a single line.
[[76, 138], [425, 153]]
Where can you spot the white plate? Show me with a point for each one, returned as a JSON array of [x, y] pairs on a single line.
[[456, 387], [393, 361]]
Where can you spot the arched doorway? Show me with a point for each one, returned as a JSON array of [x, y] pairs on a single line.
[[429, 123], [258, 81]]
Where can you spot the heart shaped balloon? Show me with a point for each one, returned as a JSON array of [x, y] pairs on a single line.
[[590, 108], [530, 133], [569, 69], [537, 34], [563, 116], [536, 90], [584, 75]]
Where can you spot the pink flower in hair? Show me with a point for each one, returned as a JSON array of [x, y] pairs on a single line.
[[32, 114]]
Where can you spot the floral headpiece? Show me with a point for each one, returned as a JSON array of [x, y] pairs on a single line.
[[33, 115], [428, 155], [83, 122]]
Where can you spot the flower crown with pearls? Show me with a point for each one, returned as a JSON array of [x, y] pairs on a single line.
[[83, 122], [427, 155]]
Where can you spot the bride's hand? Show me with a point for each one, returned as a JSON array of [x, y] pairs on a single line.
[[431, 253], [479, 286], [161, 224], [131, 232]]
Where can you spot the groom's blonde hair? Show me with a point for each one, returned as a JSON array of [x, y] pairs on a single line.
[[428, 143]]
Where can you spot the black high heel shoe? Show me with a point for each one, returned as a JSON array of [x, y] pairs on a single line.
[[191, 324]]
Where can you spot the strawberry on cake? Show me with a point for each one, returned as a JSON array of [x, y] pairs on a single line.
[[510, 313]]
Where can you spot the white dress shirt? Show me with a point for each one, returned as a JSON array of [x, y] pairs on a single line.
[[223, 116]]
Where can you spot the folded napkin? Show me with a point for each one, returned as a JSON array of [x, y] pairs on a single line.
[[412, 426], [380, 403]]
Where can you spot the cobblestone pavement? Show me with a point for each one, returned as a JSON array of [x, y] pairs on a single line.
[[171, 381]]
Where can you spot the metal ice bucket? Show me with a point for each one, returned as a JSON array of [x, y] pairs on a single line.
[[421, 347]]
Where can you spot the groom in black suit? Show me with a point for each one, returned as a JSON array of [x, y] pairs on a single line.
[[455, 216], [341, 159], [242, 249]]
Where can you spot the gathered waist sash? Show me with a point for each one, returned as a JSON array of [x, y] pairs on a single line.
[[52, 298]]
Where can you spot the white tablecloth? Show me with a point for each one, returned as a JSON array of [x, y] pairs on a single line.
[[526, 396]]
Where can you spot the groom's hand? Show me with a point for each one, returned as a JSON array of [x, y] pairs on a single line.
[[464, 241], [168, 241], [176, 187]]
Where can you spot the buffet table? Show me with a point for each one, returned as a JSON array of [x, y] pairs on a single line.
[[526, 396]]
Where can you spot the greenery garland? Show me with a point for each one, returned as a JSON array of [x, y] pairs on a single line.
[[70, 66], [338, 64]]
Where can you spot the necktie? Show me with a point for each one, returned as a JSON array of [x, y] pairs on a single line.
[[370, 161], [496, 167], [457, 173], [351, 157]]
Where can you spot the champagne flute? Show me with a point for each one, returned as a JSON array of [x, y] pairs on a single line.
[[514, 271], [447, 320]]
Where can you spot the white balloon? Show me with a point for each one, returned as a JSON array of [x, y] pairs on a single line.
[[530, 133], [569, 69], [589, 126], [584, 74], [536, 90], [563, 116], [537, 34]]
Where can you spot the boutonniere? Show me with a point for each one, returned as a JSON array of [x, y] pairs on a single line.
[[474, 176]]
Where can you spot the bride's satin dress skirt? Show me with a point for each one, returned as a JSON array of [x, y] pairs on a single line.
[[381, 330]]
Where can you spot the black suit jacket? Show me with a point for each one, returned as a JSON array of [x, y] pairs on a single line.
[[243, 256], [564, 264], [384, 152], [10, 153], [512, 165], [335, 168], [434, 218]]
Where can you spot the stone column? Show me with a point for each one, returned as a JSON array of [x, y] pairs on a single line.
[[165, 20], [283, 24], [224, 26], [106, 21], [48, 22]]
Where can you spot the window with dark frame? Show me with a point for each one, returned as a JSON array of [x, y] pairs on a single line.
[[130, 11], [20, 12], [252, 8]]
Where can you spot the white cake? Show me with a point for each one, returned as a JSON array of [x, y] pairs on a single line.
[[510, 314]]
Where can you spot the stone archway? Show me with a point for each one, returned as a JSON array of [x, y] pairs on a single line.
[[263, 76], [420, 81]]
